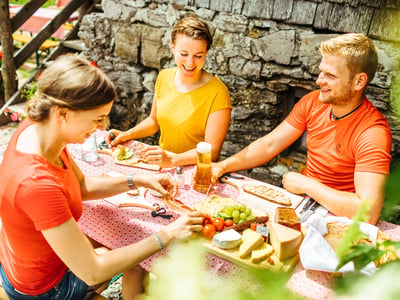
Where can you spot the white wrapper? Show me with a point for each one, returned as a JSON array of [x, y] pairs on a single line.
[[317, 254]]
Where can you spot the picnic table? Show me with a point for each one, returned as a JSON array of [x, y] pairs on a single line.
[[40, 18], [116, 227]]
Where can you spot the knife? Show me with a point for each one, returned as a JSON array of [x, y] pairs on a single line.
[[205, 197], [310, 210], [306, 206]]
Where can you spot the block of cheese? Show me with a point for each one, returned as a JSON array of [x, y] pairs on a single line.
[[261, 252], [285, 241], [227, 239], [287, 216], [250, 241]]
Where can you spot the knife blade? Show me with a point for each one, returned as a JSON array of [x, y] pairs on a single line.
[[306, 206], [306, 214], [205, 197]]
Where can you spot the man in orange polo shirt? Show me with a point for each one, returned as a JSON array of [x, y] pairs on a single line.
[[348, 139]]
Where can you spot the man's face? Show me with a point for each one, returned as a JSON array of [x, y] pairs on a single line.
[[335, 80]]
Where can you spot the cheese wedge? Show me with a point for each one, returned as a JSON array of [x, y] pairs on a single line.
[[250, 241], [261, 252], [285, 241]]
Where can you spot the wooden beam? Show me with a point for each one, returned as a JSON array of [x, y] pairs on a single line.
[[8, 69], [24, 53], [25, 13]]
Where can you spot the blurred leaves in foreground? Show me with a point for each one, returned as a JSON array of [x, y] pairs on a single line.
[[185, 275]]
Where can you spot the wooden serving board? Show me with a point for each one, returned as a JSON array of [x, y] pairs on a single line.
[[134, 161], [232, 255], [259, 205], [130, 199]]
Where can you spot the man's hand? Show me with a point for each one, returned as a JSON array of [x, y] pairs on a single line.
[[295, 182]]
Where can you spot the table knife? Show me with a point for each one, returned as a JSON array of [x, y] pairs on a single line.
[[310, 210], [205, 197]]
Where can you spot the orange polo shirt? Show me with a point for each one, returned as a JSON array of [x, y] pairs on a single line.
[[336, 149]]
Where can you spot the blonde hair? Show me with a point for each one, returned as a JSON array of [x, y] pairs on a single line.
[[71, 82], [358, 50], [194, 28]]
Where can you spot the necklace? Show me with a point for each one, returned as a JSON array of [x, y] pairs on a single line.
[[334, 117]]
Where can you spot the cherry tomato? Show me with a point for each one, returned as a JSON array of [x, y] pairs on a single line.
[[253, 226], [218, 223], [207, 220], [228, 222], [208, 230]]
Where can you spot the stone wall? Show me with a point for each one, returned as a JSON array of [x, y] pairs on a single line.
[[265, 51]]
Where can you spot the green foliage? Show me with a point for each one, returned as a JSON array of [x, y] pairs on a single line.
[[184, 275], [22, 2], [392, 193], [362, 254], [29, 91]]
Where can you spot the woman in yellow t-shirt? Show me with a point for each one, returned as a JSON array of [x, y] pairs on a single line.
[[189, 106]]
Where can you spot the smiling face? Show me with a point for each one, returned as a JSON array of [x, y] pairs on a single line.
[[335, 80], [82, 123], [190, 55]]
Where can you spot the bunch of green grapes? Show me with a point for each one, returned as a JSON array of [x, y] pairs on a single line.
[[238, 213]]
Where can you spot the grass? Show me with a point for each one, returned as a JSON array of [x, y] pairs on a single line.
[[21, 2]]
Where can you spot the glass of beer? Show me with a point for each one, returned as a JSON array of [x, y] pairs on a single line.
[[202, 178]]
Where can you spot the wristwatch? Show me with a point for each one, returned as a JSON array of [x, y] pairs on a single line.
[[131, 184]]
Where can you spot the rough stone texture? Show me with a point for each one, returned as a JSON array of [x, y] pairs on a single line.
[[350, 19], [258, 8], [265, 51], [385, 25], [303, 12], [278, 46]]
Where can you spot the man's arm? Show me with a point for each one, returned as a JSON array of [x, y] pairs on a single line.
[[260, 151], [370, 188]]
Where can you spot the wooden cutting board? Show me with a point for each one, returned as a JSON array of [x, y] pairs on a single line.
[[232, 255], [259, 205], [134, 161]]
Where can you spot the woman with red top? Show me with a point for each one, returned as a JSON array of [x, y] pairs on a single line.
[[43, 252]]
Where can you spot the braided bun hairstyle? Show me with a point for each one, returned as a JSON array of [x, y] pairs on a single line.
[[71, 82]]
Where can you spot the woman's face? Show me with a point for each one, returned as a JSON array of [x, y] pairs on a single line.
[[81, 124], [190, 55]]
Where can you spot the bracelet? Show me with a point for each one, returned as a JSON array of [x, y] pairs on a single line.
[[159, 241], [131, 184]]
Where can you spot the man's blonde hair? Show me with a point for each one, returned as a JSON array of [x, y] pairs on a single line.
[[358, 50]]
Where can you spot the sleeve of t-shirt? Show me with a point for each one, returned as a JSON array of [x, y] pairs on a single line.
[[222, 98], [373, 150], [301, 110], [44, 201]]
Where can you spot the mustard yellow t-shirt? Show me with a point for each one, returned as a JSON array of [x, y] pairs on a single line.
[[183, 116]]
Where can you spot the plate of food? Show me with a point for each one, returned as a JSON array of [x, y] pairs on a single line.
[[127, 155]]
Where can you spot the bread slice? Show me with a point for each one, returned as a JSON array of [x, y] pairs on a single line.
[[250, 241], [287, 216]]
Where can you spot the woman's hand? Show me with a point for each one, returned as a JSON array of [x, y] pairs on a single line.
[[115, 137], [162, 183], [156, 155], [184, 227]]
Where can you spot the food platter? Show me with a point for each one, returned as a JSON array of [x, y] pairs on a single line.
[[134, 160], [232, 255]]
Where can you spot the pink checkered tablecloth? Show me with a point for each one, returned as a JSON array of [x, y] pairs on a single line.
[[116, 227]]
